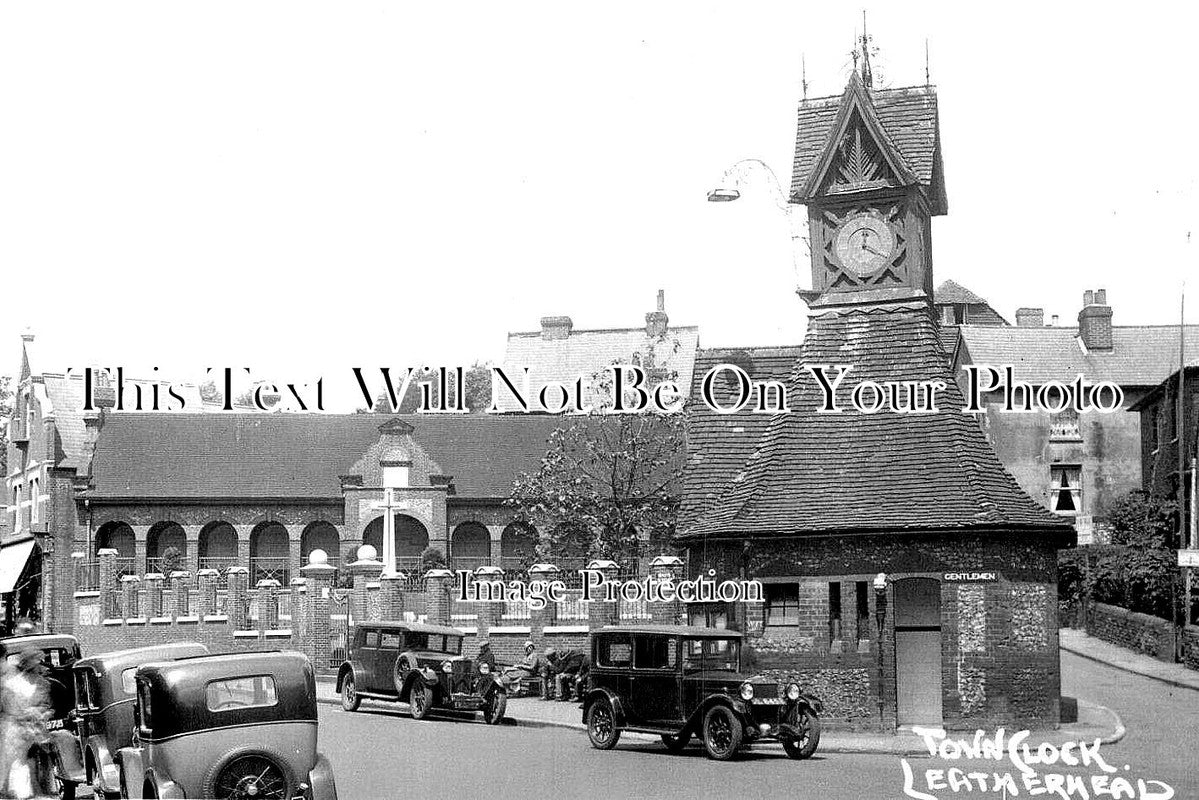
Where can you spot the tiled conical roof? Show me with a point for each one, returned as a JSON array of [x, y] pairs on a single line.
[[885, 472]]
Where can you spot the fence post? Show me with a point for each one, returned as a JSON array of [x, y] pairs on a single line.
[[107, 558], [299, 608], [488, 613], [318, 581], [268, 604], [601, 612], [667, 570], [179, 593], [439, 583], [130, 584], [237, 607], [391, 596], [206, 580], [542, 618], [365, 570], [154, 594]]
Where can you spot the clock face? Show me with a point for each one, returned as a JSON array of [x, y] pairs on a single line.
[[864, 243]]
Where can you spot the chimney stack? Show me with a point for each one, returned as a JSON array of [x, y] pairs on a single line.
[[1095, 320], [1030, 318], [657, 321], [553, 328], [1053, 321]]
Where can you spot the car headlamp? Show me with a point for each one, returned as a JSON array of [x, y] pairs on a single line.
[[447, 666], [793, 691], [484, 669], [747, 691]]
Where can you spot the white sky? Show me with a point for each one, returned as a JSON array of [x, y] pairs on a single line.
[[304, 188]]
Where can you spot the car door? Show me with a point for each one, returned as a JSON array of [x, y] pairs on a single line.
[[654, 682], [367, 653], [612, 663], [389, 650]]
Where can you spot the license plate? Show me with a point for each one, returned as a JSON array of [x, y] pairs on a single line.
[[54, 725]]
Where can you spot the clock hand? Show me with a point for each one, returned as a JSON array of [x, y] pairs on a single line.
[[870, 249]]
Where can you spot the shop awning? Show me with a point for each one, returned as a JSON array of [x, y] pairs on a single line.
[[12, 563]]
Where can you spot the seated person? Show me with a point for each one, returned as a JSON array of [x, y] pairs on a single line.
[[529, 666], [561, 670]]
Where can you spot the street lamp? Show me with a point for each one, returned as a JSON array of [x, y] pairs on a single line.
[[880, 615], [743, 173]]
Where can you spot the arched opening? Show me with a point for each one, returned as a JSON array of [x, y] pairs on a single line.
[[470, 546], [217, 546], [411, 539], [918, 650], [116, 535], [166, 548], [518, 546], [321, 536], [269, 552]]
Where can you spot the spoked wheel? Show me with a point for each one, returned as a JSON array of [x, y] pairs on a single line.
[[349, 694], [808, 725], [66, 790], [722, 733], [601, 725], [420, 700], [251, 776], [493, 711], [675, 744]]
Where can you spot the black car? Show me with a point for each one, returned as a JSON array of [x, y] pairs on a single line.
[[679, 681], [59, 652], [421, 665]]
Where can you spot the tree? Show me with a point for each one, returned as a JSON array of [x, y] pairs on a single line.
[[5, 413], [605, 480], [476, 380]]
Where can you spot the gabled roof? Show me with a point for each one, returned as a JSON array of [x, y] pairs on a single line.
[[1141, 355], [884, 473], [907, 119], [953, 292], [718, 445], [302, 456]]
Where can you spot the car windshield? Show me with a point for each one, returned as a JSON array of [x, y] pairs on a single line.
[[701, 654], [453, 644]]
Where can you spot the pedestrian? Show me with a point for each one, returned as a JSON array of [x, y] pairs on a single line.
[[25, 704], [485, 655], [562, 668]]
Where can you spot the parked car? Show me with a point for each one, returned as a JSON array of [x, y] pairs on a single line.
[[105, 689], [421, 665], [231, 726], [59, 653], [679, 681]]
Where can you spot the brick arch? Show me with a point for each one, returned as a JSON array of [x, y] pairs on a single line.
[[270, 551], [119, 536], [321, 535], [217, 545], [518, 545], [470, 545], [411, 537], [162, 536]]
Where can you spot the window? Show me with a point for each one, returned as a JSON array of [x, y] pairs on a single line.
[[708, 615], [34, 494], [16, 507], [954, 314], [782, 604], [390, 641], [834, 610], [712, 654], [1065, 490], [415, 641], [655, 652], [257, 691], [128, 684], [395, 477], [1064, 427], [372, 639], [615, 651], [862, 597]]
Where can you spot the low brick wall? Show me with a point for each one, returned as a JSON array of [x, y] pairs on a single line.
[[1190, 646], [1138, 632]]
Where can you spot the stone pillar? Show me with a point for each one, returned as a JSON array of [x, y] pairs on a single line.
[[488, 613], [237, 604], [191, 556], [109, 599], [439, 583], [295, 558], [544, 617], [299, 608], [667, 571], [130, 585], [601, 612], [140, 534], [154, 594], [391, 596], [374, 604], [268, 604], [318, 584], [364, 571], [179, 593], [497, 543], [243, 544], [206, 580]]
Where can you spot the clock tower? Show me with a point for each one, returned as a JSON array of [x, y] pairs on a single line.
[[868, 167]]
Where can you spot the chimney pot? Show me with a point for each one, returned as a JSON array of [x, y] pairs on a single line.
[[661, 299], [556, 327], [1030, 318], [1101, 297], [1053, 320], [657, 321], [1095, 322], [1088, 297]]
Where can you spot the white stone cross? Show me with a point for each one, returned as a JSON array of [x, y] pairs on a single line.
[[389, 507]]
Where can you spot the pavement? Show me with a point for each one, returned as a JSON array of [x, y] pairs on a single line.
[[1094, 721]]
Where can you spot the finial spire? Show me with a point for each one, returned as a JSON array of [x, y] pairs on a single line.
[[803, 68], [927, 82], [867, 76]]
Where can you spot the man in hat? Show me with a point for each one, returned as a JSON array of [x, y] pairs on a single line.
[[561, 672], [526, 668]]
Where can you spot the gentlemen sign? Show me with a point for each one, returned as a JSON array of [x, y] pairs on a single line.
[[969, 577], [1188, 558]]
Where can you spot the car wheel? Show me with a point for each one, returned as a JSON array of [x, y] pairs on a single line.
[[601, 725], [722, 733], [493, 711], [420, 700], [676, 744], [97, 792], [248, 773], [349, 694], [805, 744], [66, 790]]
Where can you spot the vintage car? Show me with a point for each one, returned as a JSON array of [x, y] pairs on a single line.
[[418, 664], [679, 681], [231, 726], [59, 652], [103, 716]]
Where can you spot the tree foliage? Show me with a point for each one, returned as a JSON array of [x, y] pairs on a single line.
[[603, 481], [476, 381], [1138, 570]]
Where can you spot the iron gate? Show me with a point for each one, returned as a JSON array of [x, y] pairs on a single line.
[[340, 623]]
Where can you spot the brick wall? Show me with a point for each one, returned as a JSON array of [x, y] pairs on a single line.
[[1138, 632], [1190, 646]]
